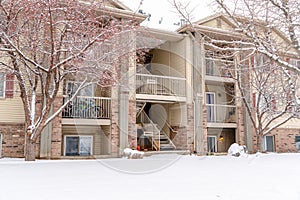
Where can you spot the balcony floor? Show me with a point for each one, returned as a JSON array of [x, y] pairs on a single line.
[[160, 98], [90, 122]]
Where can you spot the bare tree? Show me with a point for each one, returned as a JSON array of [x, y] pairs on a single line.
[[273, 28], [44, 43], [258, 20], [266, 91], [265, 34]]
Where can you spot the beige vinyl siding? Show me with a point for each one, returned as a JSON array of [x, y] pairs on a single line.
[[178, 114], [169, 60], [218, 23], [11, 110]]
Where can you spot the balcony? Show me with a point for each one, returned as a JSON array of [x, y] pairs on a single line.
[[149, 84], [88, 108], [221, 113], [219, 68]]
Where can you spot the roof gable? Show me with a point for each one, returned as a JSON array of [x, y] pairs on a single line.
[[219, 20]]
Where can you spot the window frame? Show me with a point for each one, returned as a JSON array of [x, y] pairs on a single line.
[[4, 84], [91, 147]]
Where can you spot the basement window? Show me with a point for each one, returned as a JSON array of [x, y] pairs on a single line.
[[78, 145]]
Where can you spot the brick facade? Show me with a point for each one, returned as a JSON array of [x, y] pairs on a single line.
[[132, 134], [13, 138]]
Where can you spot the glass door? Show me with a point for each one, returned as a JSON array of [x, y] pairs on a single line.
[[210, 107], [212, 144]]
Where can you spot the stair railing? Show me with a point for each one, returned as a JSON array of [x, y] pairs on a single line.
[[144, 119], [141, 109], [163, 132]]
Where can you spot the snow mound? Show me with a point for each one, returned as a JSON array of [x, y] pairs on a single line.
[[237, 150], [133, 154]]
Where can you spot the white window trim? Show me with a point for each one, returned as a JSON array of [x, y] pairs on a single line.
[[295, 62], [4, 85], [92, 142], [216, 142], [213, 105], [265, 142]]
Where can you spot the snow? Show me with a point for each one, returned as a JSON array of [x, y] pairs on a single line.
[[258, 176], [237, 150]]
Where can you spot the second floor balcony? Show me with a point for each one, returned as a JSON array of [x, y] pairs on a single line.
[[219, 68], [221, 113], [88, 108], [150, 84]]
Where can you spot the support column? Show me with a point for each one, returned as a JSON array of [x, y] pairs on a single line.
[[199, 90]]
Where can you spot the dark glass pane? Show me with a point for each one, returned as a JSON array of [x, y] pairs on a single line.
[[72, 146]]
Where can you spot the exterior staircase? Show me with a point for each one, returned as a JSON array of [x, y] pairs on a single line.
[[159, 139]]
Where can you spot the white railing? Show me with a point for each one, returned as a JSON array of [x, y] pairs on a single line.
[[150, 130], [221, 113], [88, 108], [160, 85]]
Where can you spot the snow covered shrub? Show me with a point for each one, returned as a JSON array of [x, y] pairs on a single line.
[[237, 150]]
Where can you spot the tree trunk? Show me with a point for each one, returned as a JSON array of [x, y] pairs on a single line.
[[30, 149], [259, 143]]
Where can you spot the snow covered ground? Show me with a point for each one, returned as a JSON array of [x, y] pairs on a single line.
[[168, 177]]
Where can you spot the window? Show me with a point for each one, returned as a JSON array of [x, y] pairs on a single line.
[[73, 86], [210, 107], [269, 143], [78, 145], [297, 140], [209, 63], [260, 60], [2, 85], [212, 143], [295, 63]]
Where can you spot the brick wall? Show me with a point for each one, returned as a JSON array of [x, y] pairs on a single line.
[[56, 136], [132, 135], [285, 140], [240, 131], [13, 138], [115, 125], [184, 139]]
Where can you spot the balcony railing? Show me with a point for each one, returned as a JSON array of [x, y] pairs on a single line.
[[219, 68], [221, 113], [160, 85], [88, 108]]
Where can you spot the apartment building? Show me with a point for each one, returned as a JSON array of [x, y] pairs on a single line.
[[178, 95], [225, 119]]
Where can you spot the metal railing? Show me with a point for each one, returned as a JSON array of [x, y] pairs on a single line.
[[221, 113], [88, 108], [150, 130], [160, 85], [219, 68]]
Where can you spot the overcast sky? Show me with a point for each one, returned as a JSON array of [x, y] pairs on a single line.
[[163, 14]]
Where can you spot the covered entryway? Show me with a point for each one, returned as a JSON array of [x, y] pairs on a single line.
[[155, 125], [220, 139]]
